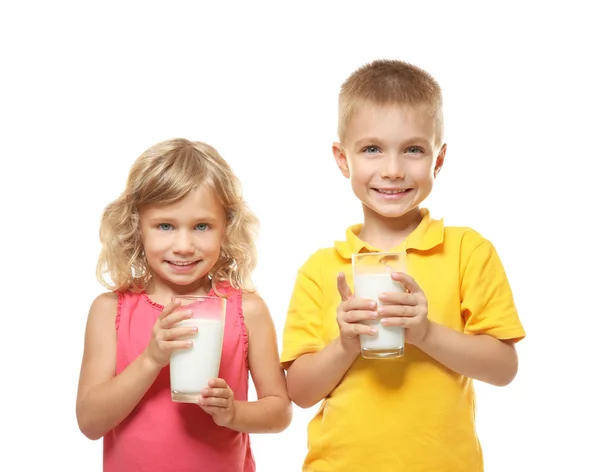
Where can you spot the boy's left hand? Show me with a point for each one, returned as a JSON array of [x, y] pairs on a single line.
[[407, 309], [218, 402]]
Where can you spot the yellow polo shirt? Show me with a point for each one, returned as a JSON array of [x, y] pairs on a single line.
[[409, 414]]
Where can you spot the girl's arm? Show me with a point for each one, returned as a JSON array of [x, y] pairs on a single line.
[[272, 411], [103, 400]]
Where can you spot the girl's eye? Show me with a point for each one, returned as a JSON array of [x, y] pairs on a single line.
[[165, 226], [201, 226], [414, 150]]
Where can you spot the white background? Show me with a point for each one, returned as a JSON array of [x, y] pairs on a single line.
[[86, 87]]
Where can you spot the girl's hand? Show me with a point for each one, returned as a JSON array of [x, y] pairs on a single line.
[[166, 338], [407, 309], [218, 402]]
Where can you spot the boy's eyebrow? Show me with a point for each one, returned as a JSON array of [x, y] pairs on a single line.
[[373, 140], [368, 140]]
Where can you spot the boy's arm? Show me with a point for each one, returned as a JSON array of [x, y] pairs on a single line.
[[485, 351], [480, 357], [314, 368], [311, 377], [103, 400]]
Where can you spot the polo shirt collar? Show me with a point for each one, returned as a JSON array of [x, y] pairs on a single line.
[[427, 235]]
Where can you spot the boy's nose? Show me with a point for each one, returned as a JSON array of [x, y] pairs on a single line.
[[391, 168]]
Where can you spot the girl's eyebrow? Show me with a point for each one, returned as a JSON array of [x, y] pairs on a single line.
[[169, 219]]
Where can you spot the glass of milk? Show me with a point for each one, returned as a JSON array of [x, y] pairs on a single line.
[[192, 368], [372, 276]]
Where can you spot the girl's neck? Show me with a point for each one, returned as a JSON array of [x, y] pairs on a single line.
[[162, 292]]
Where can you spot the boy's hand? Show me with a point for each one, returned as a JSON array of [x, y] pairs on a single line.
[[351, 313], [217, 401], [407, 309]]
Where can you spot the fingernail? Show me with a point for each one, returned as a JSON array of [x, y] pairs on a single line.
[[374, 315], [372, 305], [194, 329], [373, 330], [384, 321]]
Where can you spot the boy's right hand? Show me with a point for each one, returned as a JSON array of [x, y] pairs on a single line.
[[351, 313], [166, 337]]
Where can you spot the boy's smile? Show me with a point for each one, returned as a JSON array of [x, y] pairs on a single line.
[[393, 193]]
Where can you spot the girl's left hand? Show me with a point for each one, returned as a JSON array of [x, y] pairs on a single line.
[[218, 402], [407, 309]]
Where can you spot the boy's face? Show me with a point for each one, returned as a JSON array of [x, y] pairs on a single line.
[[390, 155]]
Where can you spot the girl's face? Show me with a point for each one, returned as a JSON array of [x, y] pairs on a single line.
[[182, 241]]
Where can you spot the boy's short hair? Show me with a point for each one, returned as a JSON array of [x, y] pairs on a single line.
[[390, 82]]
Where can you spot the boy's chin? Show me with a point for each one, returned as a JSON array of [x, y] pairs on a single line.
[[388, 211]]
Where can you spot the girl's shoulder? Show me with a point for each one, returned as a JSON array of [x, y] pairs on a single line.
[[255, 310], [106, 301], [103, 311]]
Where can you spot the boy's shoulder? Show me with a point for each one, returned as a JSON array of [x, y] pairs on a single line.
[[317, 258], [465, 235], [469, 243]]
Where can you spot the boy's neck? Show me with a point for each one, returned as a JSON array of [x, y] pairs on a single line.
[[387, 233]]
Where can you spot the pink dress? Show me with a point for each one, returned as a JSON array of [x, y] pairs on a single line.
[[163, 436]]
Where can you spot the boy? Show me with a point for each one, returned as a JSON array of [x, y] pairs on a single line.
[[414, 413]]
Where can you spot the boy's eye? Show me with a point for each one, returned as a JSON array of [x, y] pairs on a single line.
[[414, 150], [371, 149], [201, 226], [165, 226]]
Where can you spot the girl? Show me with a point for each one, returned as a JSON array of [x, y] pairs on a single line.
[[179, 228]]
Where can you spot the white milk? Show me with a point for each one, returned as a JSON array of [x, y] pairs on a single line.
[[191, 369], [370, 286]]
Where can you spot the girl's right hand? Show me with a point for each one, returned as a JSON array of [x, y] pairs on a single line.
[[166, 336], [351, 313]]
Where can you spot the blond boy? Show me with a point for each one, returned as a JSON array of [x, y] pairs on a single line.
[[414, 413]]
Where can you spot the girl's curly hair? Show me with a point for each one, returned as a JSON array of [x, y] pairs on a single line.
[[164, 174]]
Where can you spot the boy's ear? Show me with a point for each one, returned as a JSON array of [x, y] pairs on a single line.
[[439, 162], [340, 159]]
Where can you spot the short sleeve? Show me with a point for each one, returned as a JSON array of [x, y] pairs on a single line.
[[302, 332], [487, 303]]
